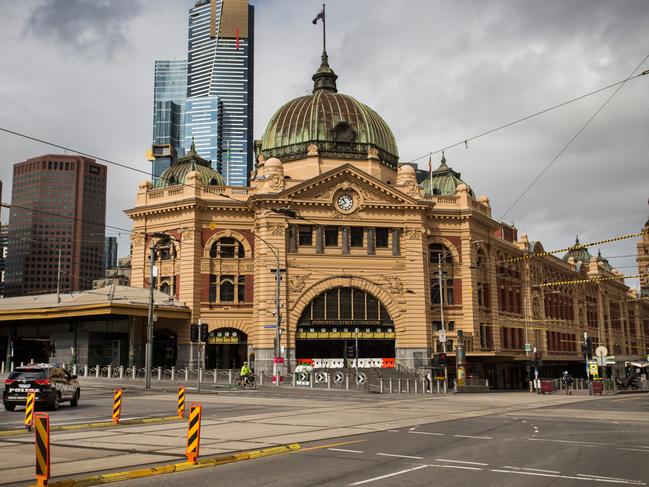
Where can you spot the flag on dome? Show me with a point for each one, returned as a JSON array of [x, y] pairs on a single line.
[[319, 16]]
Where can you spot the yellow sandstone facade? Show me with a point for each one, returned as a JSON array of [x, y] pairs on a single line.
[[359, 242]]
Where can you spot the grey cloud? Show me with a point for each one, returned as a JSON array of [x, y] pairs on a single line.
[[89, 28]]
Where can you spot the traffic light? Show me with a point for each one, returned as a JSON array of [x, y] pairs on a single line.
[[442, 359], [436, 361], [193, 332], [203, 332]]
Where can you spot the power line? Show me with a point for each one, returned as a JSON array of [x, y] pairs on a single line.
[[527, 117], [579, 132]]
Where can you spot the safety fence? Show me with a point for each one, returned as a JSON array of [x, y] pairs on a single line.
[[363, 381]]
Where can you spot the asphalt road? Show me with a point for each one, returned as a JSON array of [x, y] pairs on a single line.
[[96, 406], [497, 450]]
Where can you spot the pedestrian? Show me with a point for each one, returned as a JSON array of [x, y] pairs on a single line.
[[567, 381]]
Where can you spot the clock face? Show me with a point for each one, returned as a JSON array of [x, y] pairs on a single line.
[[345, 202]]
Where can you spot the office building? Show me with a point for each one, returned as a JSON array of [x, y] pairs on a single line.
[[110, 253], [4, 240], [169, 94], [58, 208], [220, 75]]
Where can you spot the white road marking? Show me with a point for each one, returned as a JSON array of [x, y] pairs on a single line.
[[461, 461], [412, 429], [573, 442], [393, 431], [474, 437], [399, 456], [345, 451], [400, 472], [634, 449], [570, 477], [606, 478], [460, 467], [532, 469], [427, 433]]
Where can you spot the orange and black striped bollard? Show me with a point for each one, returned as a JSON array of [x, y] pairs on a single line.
[[29, 410], [42, 432], [117, 406], [181, 402], [194, 432]]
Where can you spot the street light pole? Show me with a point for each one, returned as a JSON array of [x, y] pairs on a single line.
[[441, 307], [148, 352]]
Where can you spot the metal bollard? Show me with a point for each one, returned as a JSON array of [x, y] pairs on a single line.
[[346, 382], [381, 385], [12, 367], [85, 370], [216, 371], [133, 372], [415, 381], [2, 368], [294, 380], [159, 373], [408, 386], [22, 364], [109, 373], [390, 385], [311, 379], [74, 369], [121, 371], [230, 376], [328, 381], [487, 383], [399, 384], [97, 371], [261, 378], [437, 387], [173, 373], [200, 375], [445, 387]]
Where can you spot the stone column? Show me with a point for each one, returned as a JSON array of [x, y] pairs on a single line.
[[371, 241], [396, 244], [345, 237], [319, 239]]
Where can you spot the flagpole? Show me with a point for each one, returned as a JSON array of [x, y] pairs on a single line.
[[324, 30]]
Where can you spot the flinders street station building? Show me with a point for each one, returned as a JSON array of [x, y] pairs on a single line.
[[368, 251]]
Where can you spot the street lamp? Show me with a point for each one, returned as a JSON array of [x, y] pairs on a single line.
[[278, 317], [148, 352]]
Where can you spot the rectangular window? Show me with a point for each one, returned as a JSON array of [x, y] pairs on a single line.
[[241, 289], [227, 289], [382, 238], [305, 235], [356, 236], [331, 236]]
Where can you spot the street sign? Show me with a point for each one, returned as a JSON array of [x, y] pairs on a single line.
[[601, 351], [442, 336], [528, 347]]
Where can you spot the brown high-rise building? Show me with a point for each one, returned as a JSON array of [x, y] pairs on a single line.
[[58, 205]]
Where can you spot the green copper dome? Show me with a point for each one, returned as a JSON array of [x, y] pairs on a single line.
[[443, 181], [578, 252], [339, 125], [178, 171]]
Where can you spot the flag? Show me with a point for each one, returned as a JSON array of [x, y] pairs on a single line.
[[318, 17]]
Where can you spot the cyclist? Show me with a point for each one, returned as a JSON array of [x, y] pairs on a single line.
[[245, 373]]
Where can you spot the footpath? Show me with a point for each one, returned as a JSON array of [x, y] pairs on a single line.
[[288, 419]]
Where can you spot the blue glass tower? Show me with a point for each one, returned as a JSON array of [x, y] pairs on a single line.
[[220, 86], [169, 95]]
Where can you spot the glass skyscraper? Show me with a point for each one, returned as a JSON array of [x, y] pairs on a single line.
[[208, 99], [169, 95]]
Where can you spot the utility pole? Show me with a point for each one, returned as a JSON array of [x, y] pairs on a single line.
[[441, 307], [148, 351]]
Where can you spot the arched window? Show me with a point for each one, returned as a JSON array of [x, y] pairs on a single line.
[[345, 303], [435, 250], [227, 288], [227, 248], [165, 288]]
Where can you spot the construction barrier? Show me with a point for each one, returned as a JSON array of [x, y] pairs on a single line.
[[117, 406], [42, 429], [181, 402], [194, 432], [29, 410]]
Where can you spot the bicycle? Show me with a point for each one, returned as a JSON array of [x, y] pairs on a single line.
[[246, 382]]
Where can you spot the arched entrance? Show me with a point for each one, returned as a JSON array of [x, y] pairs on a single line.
[[164, 348], [227, 348], [345, 323]]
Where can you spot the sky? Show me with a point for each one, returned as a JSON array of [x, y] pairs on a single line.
[[80, 73]]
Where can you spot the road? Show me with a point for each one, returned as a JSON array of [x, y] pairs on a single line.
[[407, 438], [497, 450]]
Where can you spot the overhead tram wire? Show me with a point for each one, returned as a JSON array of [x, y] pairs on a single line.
[[579, 132], [527, 117]]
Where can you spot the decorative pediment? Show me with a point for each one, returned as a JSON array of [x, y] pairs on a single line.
[[347, 179]]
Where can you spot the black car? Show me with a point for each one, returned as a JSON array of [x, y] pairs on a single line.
[[52, 385]]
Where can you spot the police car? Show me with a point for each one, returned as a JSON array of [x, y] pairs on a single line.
[[52, 386]]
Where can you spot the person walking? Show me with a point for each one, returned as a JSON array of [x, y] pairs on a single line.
[[567, 381]]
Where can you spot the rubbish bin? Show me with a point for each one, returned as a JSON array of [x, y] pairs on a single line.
[[597, 387], [547, 387]]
